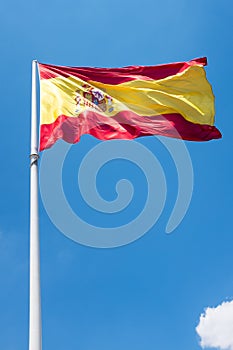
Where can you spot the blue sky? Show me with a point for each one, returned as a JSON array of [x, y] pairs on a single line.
[[149, 294]]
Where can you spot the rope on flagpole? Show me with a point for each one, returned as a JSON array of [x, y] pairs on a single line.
[[34, 158]]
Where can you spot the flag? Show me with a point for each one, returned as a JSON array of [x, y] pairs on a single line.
[[173, 100]]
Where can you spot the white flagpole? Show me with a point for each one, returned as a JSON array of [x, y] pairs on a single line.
[[35, 336]]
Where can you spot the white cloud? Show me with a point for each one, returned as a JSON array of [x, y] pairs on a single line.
[[215, 327]]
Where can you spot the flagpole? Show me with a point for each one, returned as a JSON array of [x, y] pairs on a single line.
[[35, 336]]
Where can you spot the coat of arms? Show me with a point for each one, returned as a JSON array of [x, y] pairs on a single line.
[[94, 98]]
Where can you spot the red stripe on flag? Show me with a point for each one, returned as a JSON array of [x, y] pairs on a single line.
[[119, 75], [125, 125]]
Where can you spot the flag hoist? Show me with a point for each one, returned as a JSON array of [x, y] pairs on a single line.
[[35, 342]]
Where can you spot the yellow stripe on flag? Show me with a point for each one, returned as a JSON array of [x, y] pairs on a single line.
[[187, 93]]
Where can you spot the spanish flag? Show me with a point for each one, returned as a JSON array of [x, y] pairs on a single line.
[[173, 100]]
